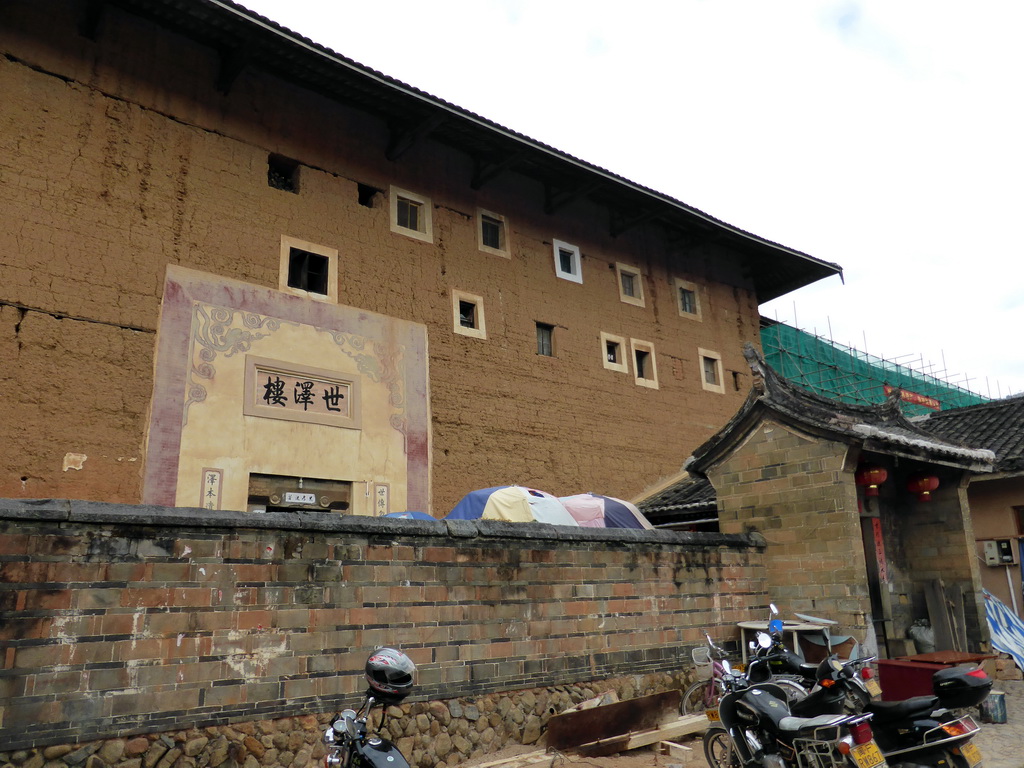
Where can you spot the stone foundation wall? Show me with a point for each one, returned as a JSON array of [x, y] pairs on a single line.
[[434, 734]]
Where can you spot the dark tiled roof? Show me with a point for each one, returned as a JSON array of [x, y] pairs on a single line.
[[997, 425], [878, 428], [692, 494], [690, 502], [881, 428]]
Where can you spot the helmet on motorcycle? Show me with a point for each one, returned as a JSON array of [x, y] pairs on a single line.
[[390, 673]]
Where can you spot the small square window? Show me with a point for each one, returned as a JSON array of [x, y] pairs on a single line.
[[283, 173], [308, 269], [631, 284], [613, 355], [411, 215], [687, 299], [711, 371], [567, 262], [545, 340], [644, 367], [468, 315], [493, 233]]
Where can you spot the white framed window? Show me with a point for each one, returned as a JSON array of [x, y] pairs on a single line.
[[687, 298], [631, 284], [613, 353], [308, 269], [711, 375], [645, 370], [567, 261], [411, 214], [492, 233], [468, 314]]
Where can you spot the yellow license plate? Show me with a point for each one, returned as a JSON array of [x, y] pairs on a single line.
[[713, 715], [873, 687], [867, 755], [972, 753]]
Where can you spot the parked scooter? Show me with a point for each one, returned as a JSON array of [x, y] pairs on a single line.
[[391, 676]]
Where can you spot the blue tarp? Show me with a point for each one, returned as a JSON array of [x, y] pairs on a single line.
[[1006, 628]]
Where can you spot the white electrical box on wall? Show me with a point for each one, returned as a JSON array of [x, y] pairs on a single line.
[[999, 552]]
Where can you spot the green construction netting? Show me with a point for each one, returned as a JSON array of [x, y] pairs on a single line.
[[849, 375]]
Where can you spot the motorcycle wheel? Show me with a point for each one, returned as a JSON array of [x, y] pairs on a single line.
[[718, 749], [698, 697]]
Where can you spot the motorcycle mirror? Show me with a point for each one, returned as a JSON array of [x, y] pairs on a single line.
[[773, 609], [349, 716]]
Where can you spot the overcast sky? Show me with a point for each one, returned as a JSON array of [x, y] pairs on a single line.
[[885, 136]]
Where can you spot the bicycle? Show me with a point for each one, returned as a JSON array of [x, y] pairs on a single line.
[[705, 694]]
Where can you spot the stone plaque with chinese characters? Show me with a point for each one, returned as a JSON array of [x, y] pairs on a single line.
[[277, 390]]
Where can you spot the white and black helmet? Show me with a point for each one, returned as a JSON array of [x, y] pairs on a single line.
[[390, 673]]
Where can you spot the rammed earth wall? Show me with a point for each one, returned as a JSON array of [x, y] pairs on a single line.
[[120, 620]]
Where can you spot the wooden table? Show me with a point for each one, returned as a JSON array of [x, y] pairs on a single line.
[[794, 628]]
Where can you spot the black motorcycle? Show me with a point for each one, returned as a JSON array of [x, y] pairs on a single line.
[[758, 729], [350, 744], [923, 731]]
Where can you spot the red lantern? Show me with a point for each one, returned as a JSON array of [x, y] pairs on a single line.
[[870, 477], [923, 485]]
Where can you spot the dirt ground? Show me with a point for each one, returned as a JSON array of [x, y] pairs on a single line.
[[644, 757]]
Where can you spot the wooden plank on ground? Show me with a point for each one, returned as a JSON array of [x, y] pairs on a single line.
[[678, 751], [526, 758], [935, 598], [955, 603], [570, 729], [681, 726]]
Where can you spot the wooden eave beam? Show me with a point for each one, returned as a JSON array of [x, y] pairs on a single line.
[[91, 18], [232, 62], [405, 137], [484, 172], [555, 200], [620, 224]]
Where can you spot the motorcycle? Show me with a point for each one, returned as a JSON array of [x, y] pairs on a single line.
[[757, 729], [920, 731], [391, 676]]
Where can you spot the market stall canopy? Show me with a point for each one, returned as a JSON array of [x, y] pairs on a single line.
[[591, 510], [511, 503]]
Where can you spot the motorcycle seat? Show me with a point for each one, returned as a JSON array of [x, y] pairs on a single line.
[[797, 724], [888, 711]]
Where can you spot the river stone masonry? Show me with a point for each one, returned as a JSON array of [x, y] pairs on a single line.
[[431, 734]]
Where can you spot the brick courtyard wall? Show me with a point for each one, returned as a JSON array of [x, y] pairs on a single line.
[[799, 493], [138, 620]]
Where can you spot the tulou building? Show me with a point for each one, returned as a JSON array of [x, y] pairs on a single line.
[[243, 272]]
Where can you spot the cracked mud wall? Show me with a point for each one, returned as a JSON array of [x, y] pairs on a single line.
[[116, 161]]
